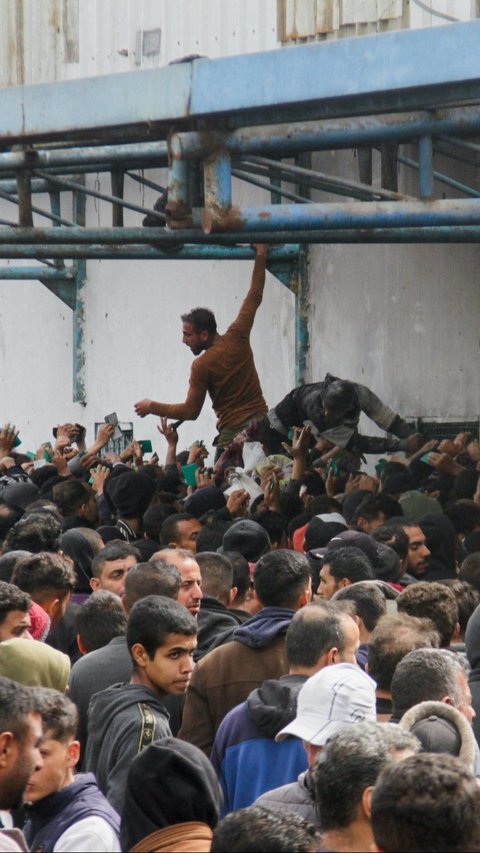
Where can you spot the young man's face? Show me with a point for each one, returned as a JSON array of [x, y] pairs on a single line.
[[186, 535], [327, 585], [15, 625], [418, 553], [20, 761], [113, 575], [170, 669], [194, 339], [58, 762]]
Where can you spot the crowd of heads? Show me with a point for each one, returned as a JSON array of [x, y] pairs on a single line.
[[376, 579]]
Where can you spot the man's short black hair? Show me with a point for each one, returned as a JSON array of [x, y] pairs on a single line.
[[34, 533], [470, 570], [369, 600], [202, 320], [100, 619], [274, 524], [12, 598], [153, 519], [241, 575], [169, 529], [217, 575], [349, 563], [151, 620], [280, 577], [16, 702], [395, 537], [464, 515], [70, 496], [427, 802], [256, 829], [44, 573], [156, 577], [117, 549]]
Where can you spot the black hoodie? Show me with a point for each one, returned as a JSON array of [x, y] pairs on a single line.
[[122, 720]]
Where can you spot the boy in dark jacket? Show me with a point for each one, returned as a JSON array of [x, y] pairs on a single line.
[[125, 718], [64, 811]]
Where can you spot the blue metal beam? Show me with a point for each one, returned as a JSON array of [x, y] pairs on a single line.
[[359, 214], [369, 75], [288, 139]]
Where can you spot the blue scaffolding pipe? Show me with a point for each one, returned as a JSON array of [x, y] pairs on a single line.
[[82, 240], [356, 76], [140, 155], [320, 136], [441, 177], [32, 273], [218, 181], [133, 252], [442, 234], [425, 164], [359, 214]]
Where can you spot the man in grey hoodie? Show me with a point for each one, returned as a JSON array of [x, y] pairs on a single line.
[[125, 718]]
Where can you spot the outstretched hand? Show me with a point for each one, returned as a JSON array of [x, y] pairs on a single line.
[[143, 407]]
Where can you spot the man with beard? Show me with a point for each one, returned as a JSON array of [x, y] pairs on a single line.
[[20, 738]]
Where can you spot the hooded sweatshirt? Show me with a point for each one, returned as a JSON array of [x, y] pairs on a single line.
[[245, 755], [122, 721], [227, 675]]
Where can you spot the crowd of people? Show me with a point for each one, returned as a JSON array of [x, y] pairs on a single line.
[[277, 652], [285, 656]]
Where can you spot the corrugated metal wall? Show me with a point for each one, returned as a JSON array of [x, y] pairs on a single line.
[[315, 20], [47, 40]]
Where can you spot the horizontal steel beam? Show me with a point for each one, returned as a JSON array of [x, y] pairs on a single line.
[[441, 234], [359, 214], [138, 155], [321, 136], [29, 273], [402, 70], [211, 252]]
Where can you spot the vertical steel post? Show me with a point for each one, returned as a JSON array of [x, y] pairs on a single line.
[[302, 296], [425, 162], [179, 211], [217, 174], [79, 312]]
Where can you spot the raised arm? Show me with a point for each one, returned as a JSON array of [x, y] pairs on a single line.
[[253, 299]]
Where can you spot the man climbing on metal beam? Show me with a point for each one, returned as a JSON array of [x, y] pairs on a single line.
[[224, 368], [332, 409]]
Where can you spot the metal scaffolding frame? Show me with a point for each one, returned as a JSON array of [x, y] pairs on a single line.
[[256, 119]]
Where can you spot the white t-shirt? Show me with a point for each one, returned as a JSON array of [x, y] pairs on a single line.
[[90, 835]]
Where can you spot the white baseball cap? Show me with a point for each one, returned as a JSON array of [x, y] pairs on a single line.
[[333, 698]]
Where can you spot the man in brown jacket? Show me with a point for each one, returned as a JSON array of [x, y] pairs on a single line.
[[227, 674], [225, 367]]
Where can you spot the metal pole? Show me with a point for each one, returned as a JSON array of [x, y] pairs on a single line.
[[425, 162], [359, 214]]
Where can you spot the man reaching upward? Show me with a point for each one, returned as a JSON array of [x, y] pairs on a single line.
[[225, 367]]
